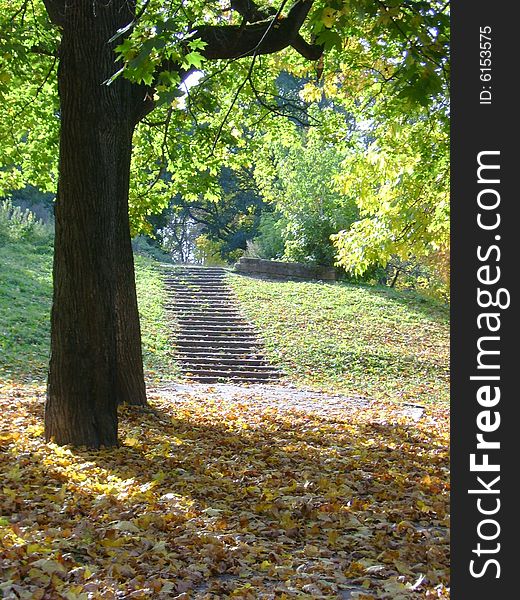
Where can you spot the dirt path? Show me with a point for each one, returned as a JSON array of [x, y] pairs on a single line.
[[282, 397]]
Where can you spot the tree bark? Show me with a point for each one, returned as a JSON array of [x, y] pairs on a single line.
[[95, 337], [130, 376]]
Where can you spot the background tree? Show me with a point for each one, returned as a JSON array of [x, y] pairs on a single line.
[[297, 173], [401, 183]]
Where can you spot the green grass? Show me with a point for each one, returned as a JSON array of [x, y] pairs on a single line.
[[355, 339], [157, 330], [338, 337], [25, 303]]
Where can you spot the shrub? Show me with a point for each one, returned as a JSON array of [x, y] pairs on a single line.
[[141, 245], [17, 224]]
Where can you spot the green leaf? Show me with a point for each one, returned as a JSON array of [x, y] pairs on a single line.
[[168, 96], [193, 59], [330, 39]]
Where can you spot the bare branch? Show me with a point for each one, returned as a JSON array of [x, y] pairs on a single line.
[[263, 37], [233, 102]]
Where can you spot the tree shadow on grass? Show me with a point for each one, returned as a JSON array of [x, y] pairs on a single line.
[[433, 310]]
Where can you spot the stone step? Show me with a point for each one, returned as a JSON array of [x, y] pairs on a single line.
[[218, 335], [230, 379], [196, 271], [231, 331], [206, 344], [194, 301], [203, 292], [209, 319], [231, 373], [209, 359], [197, 268], [192, 367], [180, 281], [197, 290], [194, 277], [208, 306], [190, 328], [218, 338], [189, 336], [195, 283], [217, 353], [199, 281], [217, 303], [201, 304], [205, 295]]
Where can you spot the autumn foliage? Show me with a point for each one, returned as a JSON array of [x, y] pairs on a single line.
[[209, 497]]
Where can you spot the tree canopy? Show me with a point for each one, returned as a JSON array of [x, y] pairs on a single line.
[[384, 64]]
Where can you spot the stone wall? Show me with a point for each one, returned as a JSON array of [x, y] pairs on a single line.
[[284, 270]]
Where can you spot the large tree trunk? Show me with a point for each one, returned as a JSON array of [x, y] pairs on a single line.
[[130, 376], [95, 337]]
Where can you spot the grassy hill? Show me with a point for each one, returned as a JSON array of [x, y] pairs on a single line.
[[372, 341], [25, 303]]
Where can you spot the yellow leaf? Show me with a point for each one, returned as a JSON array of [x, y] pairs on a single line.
[[328, 16], [113, 543], [332, 537], [423, 507], [311, 550], [264, 566]]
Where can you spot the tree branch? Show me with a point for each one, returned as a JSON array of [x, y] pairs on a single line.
[[56, 11], [267, 36], [262, 37]]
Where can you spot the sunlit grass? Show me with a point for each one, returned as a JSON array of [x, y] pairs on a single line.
[[372, 341]]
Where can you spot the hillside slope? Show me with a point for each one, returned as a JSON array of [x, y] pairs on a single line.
[[360, 340], [25, 304], [371, 341]]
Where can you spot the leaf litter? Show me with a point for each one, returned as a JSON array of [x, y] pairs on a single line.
[[215, 493]]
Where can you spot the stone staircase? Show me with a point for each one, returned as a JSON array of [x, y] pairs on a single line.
[[214, 341]]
